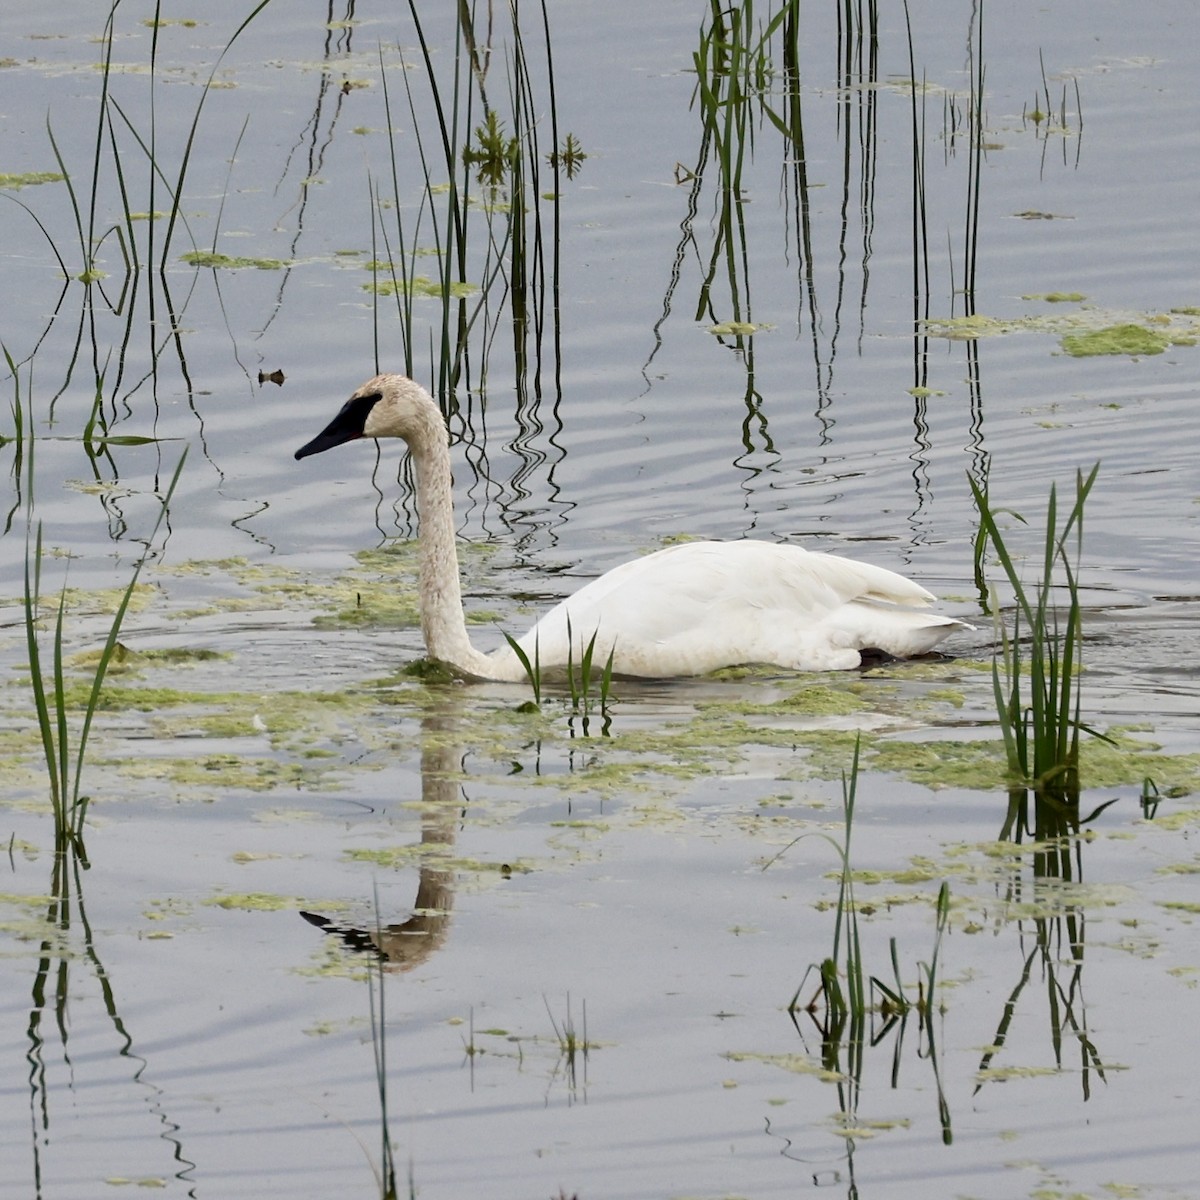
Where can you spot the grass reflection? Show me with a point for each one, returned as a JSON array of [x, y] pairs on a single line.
[[855, 1011], [481, 163]]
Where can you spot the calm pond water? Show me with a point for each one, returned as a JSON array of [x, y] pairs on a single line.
[[592, 942]]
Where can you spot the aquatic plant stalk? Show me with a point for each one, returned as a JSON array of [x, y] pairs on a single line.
[[480, 163], [533, 670], [51, 708], [1035, 672]]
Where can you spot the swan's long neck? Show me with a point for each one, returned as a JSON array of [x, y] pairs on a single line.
[[442, 621]]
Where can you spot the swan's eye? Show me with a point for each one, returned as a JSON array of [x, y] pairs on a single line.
[[356, 410]]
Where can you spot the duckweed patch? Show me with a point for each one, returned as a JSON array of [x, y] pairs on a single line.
[[140, 699], [1002, 1074], [17, 900], [227, 262], [1057, 297], [333, 961], [25, 790], [286, 720], [917, 873], [99, 602], [1182, 818], [206, 774], [253, 901], [1085, 332], [1132, 340], [427, 670], [379, 591], [404, 855], [980, 765], [283, 716], [29, 179], [796, 1064], [418, 285], [820, 700], [849, 696], [34, 933], [126, 661]]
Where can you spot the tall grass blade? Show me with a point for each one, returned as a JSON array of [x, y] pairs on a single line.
[[533, 670], [1035, 672], [51, 709], [41, 708], [376, 978], [189, 143], [110, 645], [85, 252]]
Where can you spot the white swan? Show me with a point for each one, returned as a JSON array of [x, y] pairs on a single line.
[[685, 610]]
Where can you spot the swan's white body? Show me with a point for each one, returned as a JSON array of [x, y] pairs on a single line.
[[686, 610]]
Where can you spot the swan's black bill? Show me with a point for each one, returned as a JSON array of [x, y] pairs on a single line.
[[345, 427]]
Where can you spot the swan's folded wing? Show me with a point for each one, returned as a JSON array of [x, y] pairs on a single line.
[[699, 606]]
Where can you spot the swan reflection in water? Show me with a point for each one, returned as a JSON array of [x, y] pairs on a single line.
[[405, 944]]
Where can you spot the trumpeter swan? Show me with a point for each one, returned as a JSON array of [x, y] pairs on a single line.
[[685, 610]]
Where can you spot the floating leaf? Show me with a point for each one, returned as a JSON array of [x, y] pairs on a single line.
[[736, 328]]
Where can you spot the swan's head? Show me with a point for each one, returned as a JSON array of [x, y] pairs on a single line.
[[386, 406]]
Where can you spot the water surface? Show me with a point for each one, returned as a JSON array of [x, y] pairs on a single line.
[[180, 1024]]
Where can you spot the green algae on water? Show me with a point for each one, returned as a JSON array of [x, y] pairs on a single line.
[[1057, 297], [418, 285], [211, 258], [797, 1064], [1132, 340], [101, 602], [1086, 331], [29, 179], [253, 901], [979, 765], [221, 773], [127, 661]]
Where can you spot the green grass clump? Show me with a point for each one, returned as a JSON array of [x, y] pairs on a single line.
[[52, 703], [586, 689], [1035, 671]]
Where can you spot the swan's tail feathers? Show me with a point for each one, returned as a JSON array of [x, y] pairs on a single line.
[[900, 632]]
